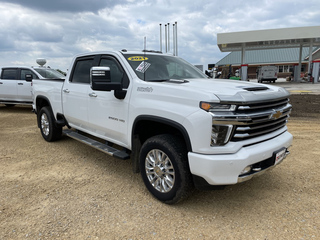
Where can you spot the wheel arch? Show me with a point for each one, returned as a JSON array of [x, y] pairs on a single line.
[[43, 101], [146, 126]]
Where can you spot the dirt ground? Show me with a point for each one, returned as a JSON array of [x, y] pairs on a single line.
[[66, 190]]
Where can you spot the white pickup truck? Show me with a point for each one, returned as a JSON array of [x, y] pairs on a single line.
[[15, 83], [267, 73], [179, 128]]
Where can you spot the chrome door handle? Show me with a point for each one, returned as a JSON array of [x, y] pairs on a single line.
[[1, 82], [20, 83], [66, 90], [93, 95]]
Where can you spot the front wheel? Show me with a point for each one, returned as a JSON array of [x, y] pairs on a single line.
[[164, 168], [49, 130]]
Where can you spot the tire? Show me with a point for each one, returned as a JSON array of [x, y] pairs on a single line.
[[49, 130], [164, 168]]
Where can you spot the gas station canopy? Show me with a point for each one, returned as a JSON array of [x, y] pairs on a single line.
[[270, 39]]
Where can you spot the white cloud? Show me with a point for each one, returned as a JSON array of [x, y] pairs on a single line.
[[57, 30]]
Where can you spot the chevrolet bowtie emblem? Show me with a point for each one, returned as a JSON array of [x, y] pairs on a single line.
[[275, 115]]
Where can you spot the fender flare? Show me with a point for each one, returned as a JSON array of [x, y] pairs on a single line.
[[164, 121]]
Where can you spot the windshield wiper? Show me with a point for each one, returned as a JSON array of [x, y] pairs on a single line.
[[178, 80], [168, 80], [157, 80]]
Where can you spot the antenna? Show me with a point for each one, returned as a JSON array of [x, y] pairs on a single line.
[[144, 57], [168, 37], [160, 38]]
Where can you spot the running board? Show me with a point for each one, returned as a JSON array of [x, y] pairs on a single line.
[[97, 145]]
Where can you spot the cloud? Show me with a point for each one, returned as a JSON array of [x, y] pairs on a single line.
[[67, 5], [57, 30]]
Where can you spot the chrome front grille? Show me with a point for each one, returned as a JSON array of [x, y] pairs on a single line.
[[265, 105], [258, 129], [256, 119]]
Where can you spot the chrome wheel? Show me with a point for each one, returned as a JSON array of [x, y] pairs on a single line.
[[159, 170], [45, 124], [163, 163]]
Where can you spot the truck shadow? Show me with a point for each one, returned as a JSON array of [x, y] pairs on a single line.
[[260, 191], [23, 109]]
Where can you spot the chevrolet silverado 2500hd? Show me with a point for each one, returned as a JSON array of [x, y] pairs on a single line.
[[179, 128], [15, 83]]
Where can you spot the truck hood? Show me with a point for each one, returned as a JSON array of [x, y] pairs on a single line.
[[238, 91]]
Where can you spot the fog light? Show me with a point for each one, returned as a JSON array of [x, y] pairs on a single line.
[[246, 170]]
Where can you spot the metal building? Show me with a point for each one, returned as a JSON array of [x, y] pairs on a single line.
[[246, 41]]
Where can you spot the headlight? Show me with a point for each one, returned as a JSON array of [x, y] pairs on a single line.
[[213, 107], [220, 134]]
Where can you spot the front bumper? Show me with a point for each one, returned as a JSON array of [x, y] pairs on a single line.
[[225, 169]]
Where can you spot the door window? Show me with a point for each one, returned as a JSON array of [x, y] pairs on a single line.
[[27, 71], [81, 72], [10, 74], [117, 74]]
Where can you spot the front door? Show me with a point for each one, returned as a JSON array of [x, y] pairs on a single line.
[[107, 115], [24, 88]]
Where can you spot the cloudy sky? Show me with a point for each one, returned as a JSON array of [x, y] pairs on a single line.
[[59, 29]]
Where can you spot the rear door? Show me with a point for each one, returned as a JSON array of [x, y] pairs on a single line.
[[270, 72], [24, 88], [8, 84], [75, 92]]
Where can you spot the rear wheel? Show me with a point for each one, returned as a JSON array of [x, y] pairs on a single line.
[[164, 168], [49, 130]]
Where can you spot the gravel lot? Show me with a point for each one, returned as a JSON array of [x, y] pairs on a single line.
[[67, 190]]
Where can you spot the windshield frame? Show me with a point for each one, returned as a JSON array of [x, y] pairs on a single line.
[[162, 67]]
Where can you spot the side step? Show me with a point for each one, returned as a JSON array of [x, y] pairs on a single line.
[[98, 145]]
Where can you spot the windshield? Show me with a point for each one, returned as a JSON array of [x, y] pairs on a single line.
[[150, 67], [49, 73]]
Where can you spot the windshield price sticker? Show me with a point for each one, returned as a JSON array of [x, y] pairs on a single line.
[[143, 66], [280, 156]]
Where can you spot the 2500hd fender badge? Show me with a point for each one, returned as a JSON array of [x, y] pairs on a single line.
[[116, 119], [145, 89]]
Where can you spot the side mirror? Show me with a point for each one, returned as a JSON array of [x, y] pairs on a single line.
[[28, 77], [100, 79]]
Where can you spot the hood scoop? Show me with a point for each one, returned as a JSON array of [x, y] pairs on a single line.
[[254, 89]]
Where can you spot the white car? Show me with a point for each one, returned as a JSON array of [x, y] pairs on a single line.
[[15, 88]]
